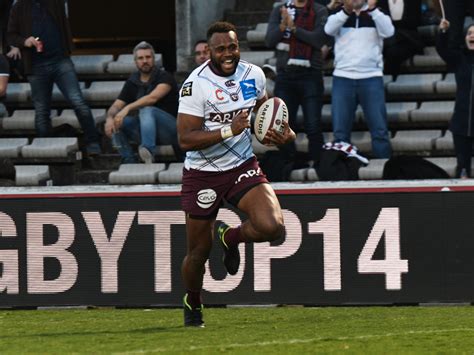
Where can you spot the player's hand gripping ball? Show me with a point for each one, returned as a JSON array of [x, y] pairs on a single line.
[[271, 114]]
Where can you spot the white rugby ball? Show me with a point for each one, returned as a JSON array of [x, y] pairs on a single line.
[[271, 114]]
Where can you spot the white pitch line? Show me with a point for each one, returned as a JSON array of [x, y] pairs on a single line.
[[297, 341]]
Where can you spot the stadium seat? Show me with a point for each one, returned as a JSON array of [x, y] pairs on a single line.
[[164, 151], [436, 111], [32, 175], [312, 175], [129, 174], [362, 141], [415, 141], [301, 142], [91, 64], [50, 148], [258, 57], [172, 175], [125, 64], [11, 147], [414, 84], [256, 37], [445, 143], [430, 58], [428, 32], [18, 92], [400, 111], [103, 90], [69, 117], [373, 171], [22, 120], [299, 175], [327, 85], [447, 85], [58, 95], [326, 114], [447, 164]]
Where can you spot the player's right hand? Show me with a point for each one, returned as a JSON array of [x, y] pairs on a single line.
[[240, 123]]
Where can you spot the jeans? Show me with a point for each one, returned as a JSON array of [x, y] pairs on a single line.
[[463, 146], [152, 126], [303, 88], [63, 74], [370, 93]]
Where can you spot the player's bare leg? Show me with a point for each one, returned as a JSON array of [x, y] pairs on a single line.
[[264, 224], [199, 243]]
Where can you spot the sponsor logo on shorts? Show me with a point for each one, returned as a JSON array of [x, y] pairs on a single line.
[[248, 174], [206, 198], [187, 89]]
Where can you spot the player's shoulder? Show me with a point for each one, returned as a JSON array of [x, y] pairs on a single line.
[[250, 68]]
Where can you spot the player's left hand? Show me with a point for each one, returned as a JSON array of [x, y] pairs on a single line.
[[372, 4], [119, 117], [277, 138]]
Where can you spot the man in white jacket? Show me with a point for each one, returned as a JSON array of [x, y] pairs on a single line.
[[359, 29]]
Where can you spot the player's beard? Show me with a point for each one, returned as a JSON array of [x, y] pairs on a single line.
[[217, 66]]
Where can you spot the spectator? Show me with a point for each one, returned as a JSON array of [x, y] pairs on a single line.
[[4, 75], [406, 17], [359, 29], [462, 121], [41, 30], [13, 53], [456, 12], [296, 30], [146, 108], [201, 52]]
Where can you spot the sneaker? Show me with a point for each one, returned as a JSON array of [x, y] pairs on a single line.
[[231, 257], [192, 317], [145, 155], [93, 149]]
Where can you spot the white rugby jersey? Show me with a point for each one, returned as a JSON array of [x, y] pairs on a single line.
[[218, 100]]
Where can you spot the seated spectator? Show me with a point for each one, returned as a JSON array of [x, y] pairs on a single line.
[[456, 12], [406, 17], [145, 111], [359, 29], [201, 52], [4, 75], [40, 28], [296, 30], [462, 121]]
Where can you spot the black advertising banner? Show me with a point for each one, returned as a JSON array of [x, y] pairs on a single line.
[[372, 246]]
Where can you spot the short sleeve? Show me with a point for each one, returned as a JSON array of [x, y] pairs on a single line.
[[167, 78], [128, 93], [192, 99], [261, 81], [4, 67]]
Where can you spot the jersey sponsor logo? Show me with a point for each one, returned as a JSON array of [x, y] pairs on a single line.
[[206, 198], [219, 95], [221, 117], [248, 174], [187, 89], [249, 89], [230, 83], [234, 96]]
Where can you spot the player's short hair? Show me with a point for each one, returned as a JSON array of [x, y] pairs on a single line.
[[143, 45], [220, 27]]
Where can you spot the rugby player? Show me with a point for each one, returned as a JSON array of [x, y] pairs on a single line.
[[216, 101]]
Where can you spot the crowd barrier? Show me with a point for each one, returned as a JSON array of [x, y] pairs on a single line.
[[347, 244]]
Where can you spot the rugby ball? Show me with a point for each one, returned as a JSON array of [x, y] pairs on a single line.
[[271, 114]]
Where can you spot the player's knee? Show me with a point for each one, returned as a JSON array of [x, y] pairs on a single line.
[[273, 230], [199, 255]]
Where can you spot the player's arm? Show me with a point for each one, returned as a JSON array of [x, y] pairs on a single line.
[[260, 102], [191, 136]]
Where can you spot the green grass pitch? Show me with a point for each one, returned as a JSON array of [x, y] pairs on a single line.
[[284, 330]]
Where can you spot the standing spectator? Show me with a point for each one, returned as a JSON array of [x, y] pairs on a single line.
[[4, 75], [145, 110], [456, 12], [41, 30], [201, 52], [406, 17], [462, 122], [296, 30], [359, 29]]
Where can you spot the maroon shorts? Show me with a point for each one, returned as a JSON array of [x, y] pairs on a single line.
[[203, 192]]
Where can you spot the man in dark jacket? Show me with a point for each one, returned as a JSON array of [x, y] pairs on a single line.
[[296, 30], [41, 30], [461, 60], [145, 111]]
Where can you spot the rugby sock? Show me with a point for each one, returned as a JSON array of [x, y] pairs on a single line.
[[233, 237], [194, 299]]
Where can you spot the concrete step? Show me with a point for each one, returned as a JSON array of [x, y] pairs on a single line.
[[93, 177]]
